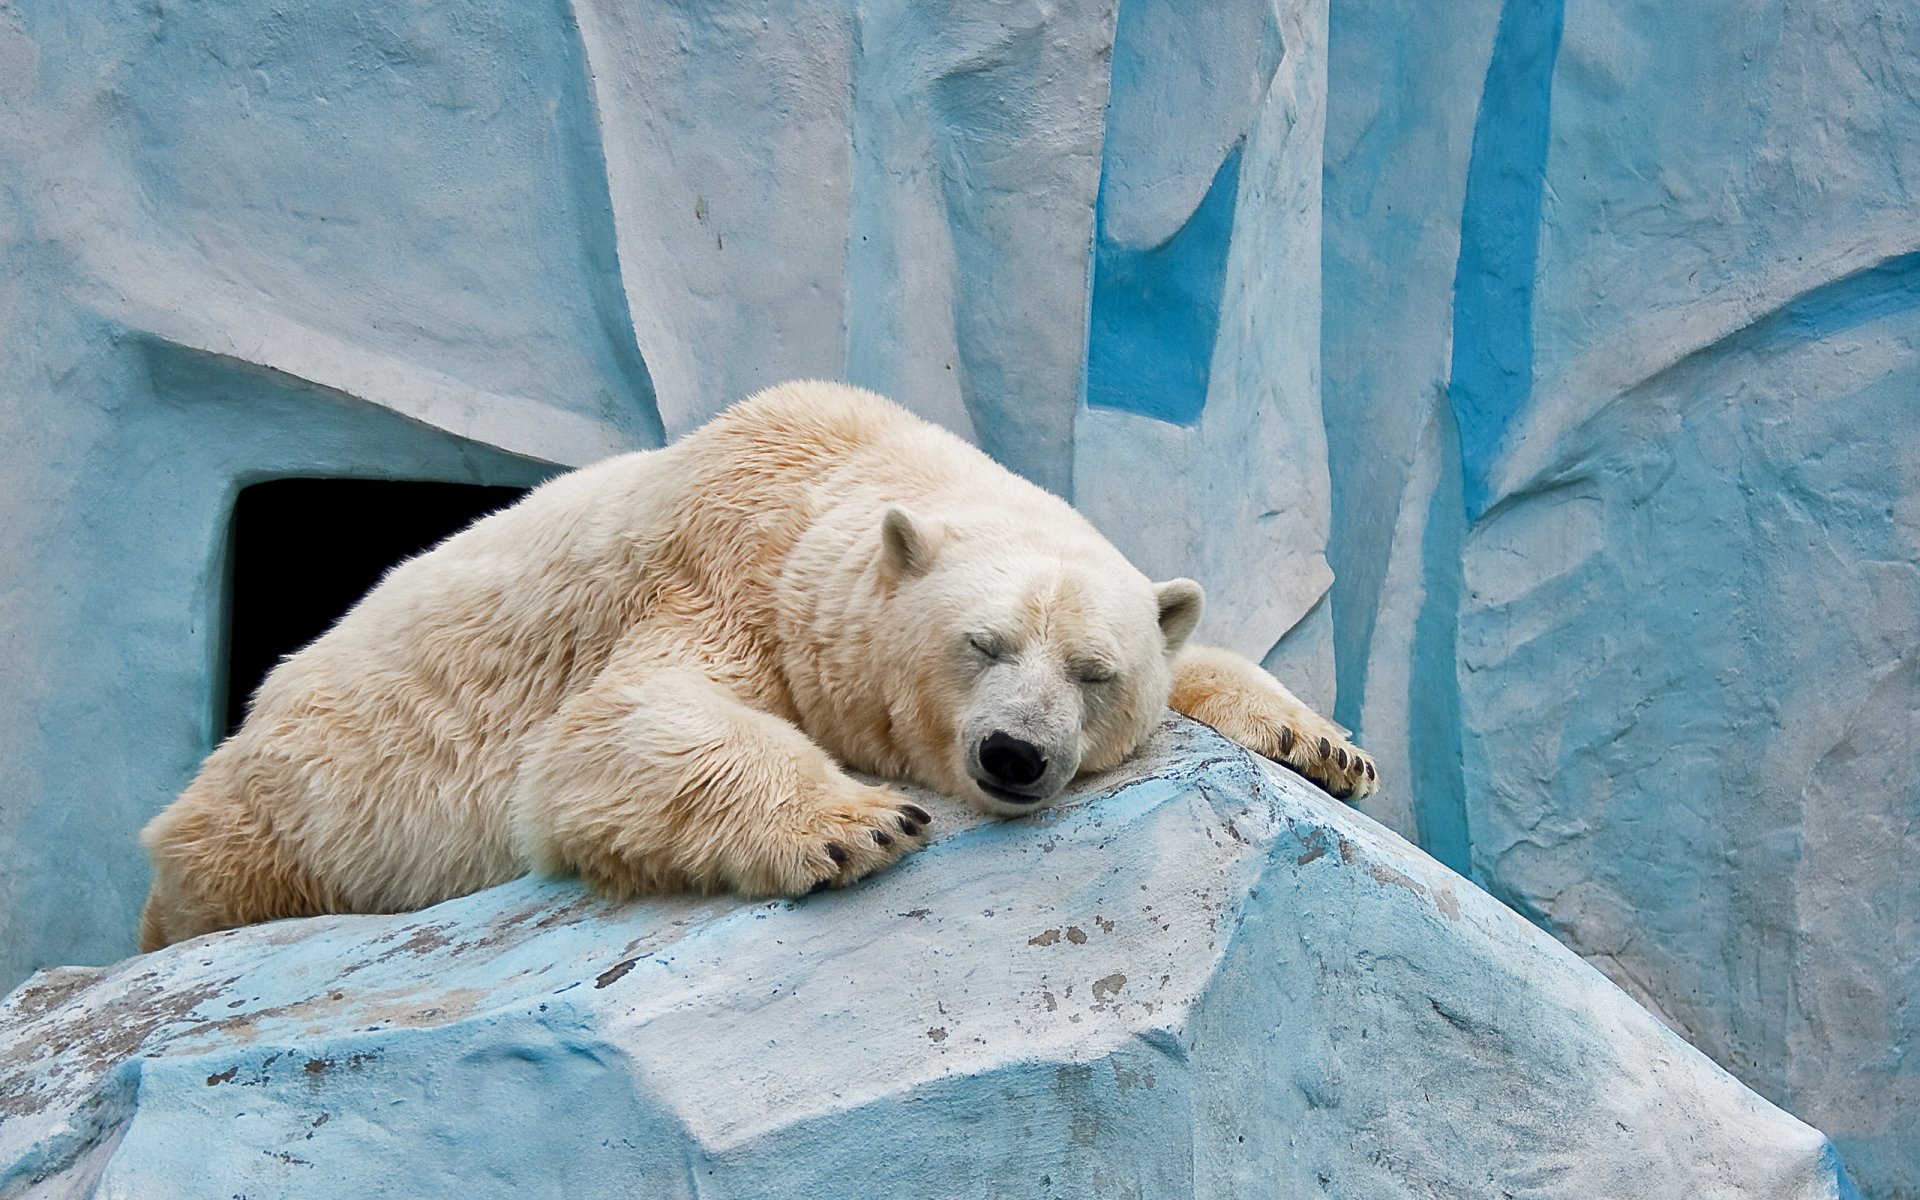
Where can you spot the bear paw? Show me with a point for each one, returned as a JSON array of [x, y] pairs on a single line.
[[1246, 704], [1313, 746], [831, 841]]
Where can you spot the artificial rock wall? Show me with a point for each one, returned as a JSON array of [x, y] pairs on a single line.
[[1599, 525], [1623, 408]]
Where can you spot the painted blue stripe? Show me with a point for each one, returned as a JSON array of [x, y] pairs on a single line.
[[1433, 682], [1156, 311], [1492, 368]]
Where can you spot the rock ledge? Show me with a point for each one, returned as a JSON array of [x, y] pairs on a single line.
[[1200, 978]]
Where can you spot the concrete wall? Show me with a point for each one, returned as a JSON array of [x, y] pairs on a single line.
[[1624, 411]]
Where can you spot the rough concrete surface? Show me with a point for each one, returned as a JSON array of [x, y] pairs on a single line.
[[1620, 394], [1198, 978]]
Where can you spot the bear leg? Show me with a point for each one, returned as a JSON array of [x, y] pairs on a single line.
[[1237, 698], [217, 864], [661, 780]]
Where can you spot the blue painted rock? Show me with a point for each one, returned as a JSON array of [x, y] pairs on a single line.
[[1196, 978]]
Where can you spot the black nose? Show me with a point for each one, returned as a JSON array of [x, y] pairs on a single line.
[[1011, 761]]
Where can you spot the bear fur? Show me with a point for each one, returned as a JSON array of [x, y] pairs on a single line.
[[657, 671]]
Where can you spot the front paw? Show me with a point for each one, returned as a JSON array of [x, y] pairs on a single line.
[[1318, 749], [1246, 704], [829, 839]]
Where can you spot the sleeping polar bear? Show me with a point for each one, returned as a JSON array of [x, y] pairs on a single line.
[[656, 672]]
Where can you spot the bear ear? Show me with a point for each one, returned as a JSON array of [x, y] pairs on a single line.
[[1180, 603], [907, 545]]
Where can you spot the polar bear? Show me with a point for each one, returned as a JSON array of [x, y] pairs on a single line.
[[657, 671]]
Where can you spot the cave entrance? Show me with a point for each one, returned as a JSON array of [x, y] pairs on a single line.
[[305, 550]]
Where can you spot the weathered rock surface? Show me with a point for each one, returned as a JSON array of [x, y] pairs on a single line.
[[1622, 303], [1199, 978]]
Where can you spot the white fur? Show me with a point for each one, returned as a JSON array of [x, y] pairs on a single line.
[[655, 670]]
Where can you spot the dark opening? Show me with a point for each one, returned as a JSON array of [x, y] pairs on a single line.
[[305, 550]]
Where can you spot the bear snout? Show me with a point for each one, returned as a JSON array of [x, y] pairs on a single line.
[[1010, 767]]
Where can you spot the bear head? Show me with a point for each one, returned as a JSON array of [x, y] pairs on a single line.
[[1022, 660]]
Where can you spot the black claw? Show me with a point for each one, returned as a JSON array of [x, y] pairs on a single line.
[[837, 853], [909, 828], [1369, 766], [1286, 741], [917, 813], [1340, 756], [822, 886], [1326, 747], [882, 838]]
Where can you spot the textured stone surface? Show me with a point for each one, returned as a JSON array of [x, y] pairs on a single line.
[[1620, 392], [1199, 450], [1200, 978]]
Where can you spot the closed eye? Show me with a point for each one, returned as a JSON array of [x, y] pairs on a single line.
[[985, 646], [1095, 673]]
